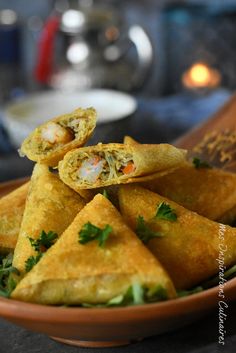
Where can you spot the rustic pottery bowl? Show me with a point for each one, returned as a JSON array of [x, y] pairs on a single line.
[[104, 327]]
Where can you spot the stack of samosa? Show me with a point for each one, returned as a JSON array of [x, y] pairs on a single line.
[[98, 256]]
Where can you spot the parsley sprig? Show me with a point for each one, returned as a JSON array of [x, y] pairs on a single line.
[[164, 211], [135, 295], [32, 261], [144, 232], [44, 242], [40, 245], [214, 281], [90, 232], [7, 282], [198, 163]]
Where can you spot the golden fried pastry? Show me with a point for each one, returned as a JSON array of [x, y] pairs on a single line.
[[93, 271], [50, 206], [209, 192], [49, 142], [103, 165], [11, 212], [188, 244]]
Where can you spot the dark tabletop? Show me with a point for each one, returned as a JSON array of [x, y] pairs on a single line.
[[200, 337]]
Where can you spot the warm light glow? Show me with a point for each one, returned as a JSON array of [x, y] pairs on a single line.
[[201, 75]]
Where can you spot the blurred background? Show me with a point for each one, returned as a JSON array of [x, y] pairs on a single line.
[[153, 69]]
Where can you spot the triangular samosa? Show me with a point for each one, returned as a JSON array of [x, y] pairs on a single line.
[[11, 212], [210, 192], [73, 273], [50, 206], [188, 244]]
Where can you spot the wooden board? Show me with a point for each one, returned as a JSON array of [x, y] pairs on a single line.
[[225, 118], [215, 140]]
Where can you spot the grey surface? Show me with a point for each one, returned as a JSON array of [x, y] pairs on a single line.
[[200, 337]]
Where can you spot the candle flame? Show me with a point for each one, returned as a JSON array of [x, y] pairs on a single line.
[[200, 75]]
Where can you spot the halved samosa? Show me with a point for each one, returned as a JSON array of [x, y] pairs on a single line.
[[49, 142], [76, 270], [186, 243], [11, 213], [209, 192], [50, 206], [103, 165]]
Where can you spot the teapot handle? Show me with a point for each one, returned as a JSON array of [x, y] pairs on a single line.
[[44, 65], [144, 48]]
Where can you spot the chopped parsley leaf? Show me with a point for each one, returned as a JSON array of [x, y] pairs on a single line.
[[185, 293], [45, 241], [144, 232], [90, 232], [159, 293], [7, 283], [105, 194], [164, 211], [136, 294], [40, 245], [200, 164], [32, 261]]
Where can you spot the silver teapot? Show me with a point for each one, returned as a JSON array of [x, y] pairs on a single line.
[[92, 46]]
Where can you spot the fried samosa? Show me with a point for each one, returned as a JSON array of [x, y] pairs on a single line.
[[209, 192], [50, 206], [73, 272], [49, 142], [128, 140], [103, 165], [188, 244], [11, 213]]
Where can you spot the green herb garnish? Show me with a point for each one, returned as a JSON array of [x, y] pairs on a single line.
[[164, 211], [45, 241], [40, 245], [144, 232], [135, 295], [214, 281], [200, 164], [90, 232], [157, 294], [105, 194], [7, 283], [32, 261], [185, 293]]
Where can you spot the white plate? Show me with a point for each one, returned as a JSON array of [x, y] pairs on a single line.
[[22, 116]]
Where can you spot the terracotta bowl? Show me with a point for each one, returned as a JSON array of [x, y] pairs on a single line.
[[104, 327]]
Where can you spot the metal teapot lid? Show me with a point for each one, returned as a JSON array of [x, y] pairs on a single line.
[[82, 19]]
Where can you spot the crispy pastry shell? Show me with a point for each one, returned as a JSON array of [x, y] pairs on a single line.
[[32, 145], [73, 273], [189, 247]]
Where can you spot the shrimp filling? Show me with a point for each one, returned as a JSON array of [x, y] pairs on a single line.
[[55, 133], [105, 166]]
